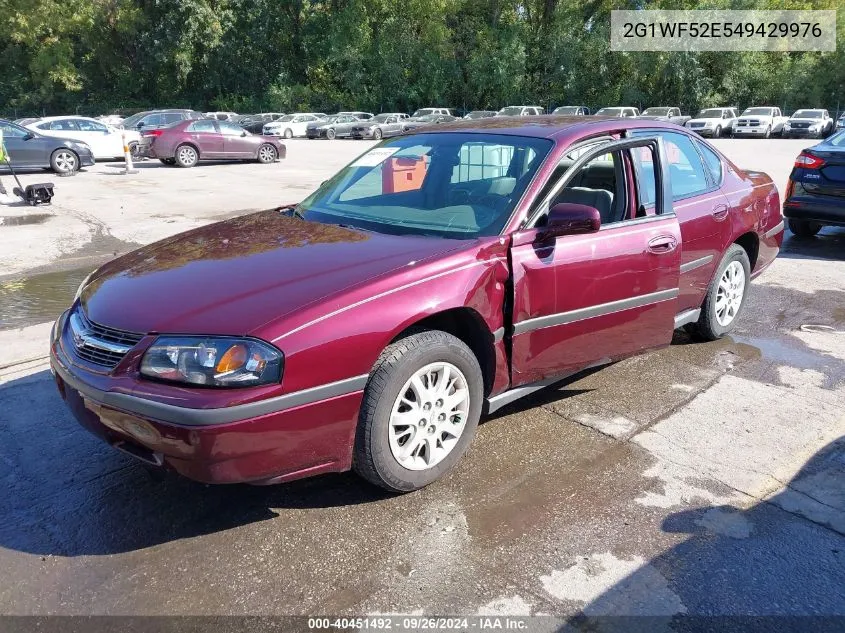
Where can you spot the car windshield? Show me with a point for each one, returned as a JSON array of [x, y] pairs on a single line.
[[566, 110], [379, 118], [285, 119], [428, 117], [808, 114], [452, 185], [511, 111], [709, 114], [610, 111], [758, 111], [656, 111], [422, 112], [132, 121], [330, 119]]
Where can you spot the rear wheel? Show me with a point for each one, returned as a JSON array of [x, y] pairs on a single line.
[[64, 161], [725, 296], [420, 411], [186, 156], [803, 228], [266, 153]]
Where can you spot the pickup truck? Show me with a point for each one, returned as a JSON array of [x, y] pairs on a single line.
[[436, 278], [713, 122], [760, 122], [662, 113]]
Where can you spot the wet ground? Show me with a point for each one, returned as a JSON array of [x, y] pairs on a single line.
[[38, 298], [704, 479]]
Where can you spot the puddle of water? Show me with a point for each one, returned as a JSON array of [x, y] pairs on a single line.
[[781, 352], [38, 298], [21, 220]]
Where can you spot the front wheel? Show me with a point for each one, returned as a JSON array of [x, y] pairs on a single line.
[[803, 228], [420, 411], [288, 133], [717, 132], [64, 161], [266, 154], [377, 134], [725, 295], [769, 131], [330, 134]]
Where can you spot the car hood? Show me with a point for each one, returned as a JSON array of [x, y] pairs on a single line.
[[234, 276]]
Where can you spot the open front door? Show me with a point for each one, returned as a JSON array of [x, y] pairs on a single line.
[[580, 300]]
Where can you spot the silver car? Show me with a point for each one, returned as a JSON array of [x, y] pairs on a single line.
[[383, 125]]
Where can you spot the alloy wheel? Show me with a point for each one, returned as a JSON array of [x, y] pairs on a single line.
[[429, 416], [730, 293], [65, 162], [266, 154], [187, 156]]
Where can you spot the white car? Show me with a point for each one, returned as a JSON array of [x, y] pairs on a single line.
[[222, 116], [104, 140], [812, 123], [760, 121], [622, 112], [521, 111], [291, 125], [713, 122], [426, 111]]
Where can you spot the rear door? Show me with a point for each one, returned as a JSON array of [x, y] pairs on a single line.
[[702, 210], [581, 300], [97, 135], [206, 136]]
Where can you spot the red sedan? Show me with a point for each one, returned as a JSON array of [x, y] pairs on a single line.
[[437, 277], [188, 142]]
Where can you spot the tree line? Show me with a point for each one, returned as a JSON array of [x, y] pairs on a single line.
[[99, 56]]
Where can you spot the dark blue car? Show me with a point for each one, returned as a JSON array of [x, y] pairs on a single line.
[[815, 196]]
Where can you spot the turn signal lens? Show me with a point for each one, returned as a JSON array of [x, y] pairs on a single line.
[[233, 359], [808, 161]]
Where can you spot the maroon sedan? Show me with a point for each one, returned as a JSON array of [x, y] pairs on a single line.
[[188, 142], [435, 278]]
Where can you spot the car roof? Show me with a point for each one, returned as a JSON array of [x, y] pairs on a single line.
[[546, 126]]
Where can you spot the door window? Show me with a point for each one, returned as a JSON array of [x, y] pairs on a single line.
[[64, 126], [151, 119], [12, 131], [90, 126], [171, 117], [686, 171], [202, 125]]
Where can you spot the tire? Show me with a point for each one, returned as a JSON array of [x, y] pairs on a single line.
[[717, 132], [186, 156], [377, 134], [168, 161], [714, 322], [803, 228], [288, 133], [64, 161], [267, 154], [380, 434], [768, 132], [330, 134]]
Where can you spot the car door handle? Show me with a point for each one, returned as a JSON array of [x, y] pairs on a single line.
[[720, 212], [662, 244]]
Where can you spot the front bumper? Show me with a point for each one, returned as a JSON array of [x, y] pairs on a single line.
[[703, 131], [750, 131], [305, 438], [802, 133]]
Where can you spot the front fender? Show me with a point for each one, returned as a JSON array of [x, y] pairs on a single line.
[[342, 336]]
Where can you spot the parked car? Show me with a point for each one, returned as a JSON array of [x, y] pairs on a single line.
[[155, 119], [619, 112], [572, 110], [815, 194], [664, 113], [440, 275], [479, 114], [713, 122], [27, 120], [810, 123], [762, 122], [188, 142], [427, 119], [338, 126], [384, 125], [222, 116], [255, 123], [111, 119], [840, 123], [520, 111], [30, 149], [425, 111], [104, 140], [291, 125]]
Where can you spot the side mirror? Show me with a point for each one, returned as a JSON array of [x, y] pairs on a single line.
[[569, 218], [140, 125], [243, 133], [28, 136]]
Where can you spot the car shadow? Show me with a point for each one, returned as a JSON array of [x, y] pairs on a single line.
[[66, 493], [828, 244], [742, 570]]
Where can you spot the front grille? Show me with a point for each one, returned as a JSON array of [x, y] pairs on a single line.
[[100, 344], [799, 126], [696, 124]]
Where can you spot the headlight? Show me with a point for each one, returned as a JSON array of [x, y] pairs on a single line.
[[213, 361], [708, 124]]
